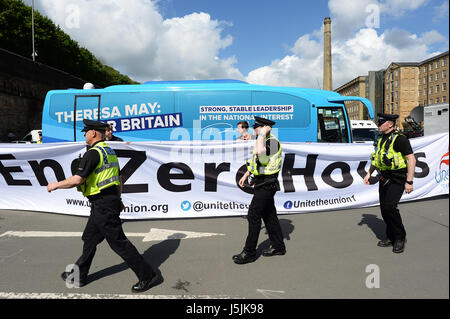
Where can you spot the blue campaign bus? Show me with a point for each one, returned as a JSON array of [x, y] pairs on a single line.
[[198, 110]]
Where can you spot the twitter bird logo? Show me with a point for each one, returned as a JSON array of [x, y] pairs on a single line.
[[186, 205]]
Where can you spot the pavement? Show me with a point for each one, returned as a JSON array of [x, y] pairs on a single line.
[[330, 255]]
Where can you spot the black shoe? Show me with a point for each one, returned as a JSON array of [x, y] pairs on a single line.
[[244, 258], [399, 246], [272, 252], [82, 281], [384, 243], [144, 285]]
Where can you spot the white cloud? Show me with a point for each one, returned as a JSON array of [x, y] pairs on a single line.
[[357, 45], [365, 51], [133, 37], [400, 7]]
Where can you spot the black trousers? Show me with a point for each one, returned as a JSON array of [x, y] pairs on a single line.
[[104, 222], [390, 195], [262, 207]]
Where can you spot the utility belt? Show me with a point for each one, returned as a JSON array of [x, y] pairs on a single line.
[[267, 181], [110, 191]]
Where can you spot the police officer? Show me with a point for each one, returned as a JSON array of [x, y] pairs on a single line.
[[395, 161], [264, 167], [98, 178]]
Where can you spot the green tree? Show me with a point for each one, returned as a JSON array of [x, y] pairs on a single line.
[[53, 46]]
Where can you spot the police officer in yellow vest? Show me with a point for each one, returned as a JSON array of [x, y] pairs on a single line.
[[395, 161], [98, 179], [263, 168]]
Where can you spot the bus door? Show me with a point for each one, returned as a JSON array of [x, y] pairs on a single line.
[[84, 107], [331, 125]]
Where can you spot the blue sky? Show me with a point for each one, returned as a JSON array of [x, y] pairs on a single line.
[[259, 41], [264, 30]]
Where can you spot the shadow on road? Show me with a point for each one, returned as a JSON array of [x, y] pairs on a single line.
[[156, 255], [377, 225]]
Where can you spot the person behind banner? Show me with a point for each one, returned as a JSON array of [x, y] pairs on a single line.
[[98, 178], [109, 136], [395, 161], [242, 128], [265, 165]]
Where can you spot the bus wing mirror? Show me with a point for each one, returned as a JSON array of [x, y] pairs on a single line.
[[364, 101]]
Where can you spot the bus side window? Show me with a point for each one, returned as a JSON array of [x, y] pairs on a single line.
[[331, 127]]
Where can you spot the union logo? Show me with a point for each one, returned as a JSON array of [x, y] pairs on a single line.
[[441, 176], [444, 160]]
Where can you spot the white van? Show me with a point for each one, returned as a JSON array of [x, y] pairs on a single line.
[[364, 131]]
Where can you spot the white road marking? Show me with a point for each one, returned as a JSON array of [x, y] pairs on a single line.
[[155, 234], [26, 295], [270, 294]]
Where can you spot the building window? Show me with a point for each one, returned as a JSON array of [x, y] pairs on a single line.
[[437, 64], [444, 99], [438, 75], [444, 86], [396, 94], [424, 69], [431, 78], [396, 72], [444, 74], [431, 90], [430, 67], [425, 80], [396, 83], [437, 100], [387, 97], [437, 88], [444, 62]]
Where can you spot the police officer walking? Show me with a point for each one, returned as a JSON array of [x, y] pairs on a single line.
[[264, 167], [98, 178], [395, 160]]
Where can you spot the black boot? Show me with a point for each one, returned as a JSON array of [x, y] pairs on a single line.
[[272, 252], [244, 258], [399, 246], [384, 243], [144, 285]]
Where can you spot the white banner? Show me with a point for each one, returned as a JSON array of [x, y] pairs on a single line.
[[199, 179]]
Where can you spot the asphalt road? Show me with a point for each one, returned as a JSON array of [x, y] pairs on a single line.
[[329, 255]]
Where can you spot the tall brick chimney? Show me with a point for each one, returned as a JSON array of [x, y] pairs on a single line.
[[327, 73]]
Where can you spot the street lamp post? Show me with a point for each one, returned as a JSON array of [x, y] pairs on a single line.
[[32, 29]]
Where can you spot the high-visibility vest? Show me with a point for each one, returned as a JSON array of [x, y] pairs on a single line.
[[105, 174], [385, 157], [263, 164]]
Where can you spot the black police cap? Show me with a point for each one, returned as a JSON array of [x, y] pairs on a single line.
[[94, 125], [387, 117], [260, 121]]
